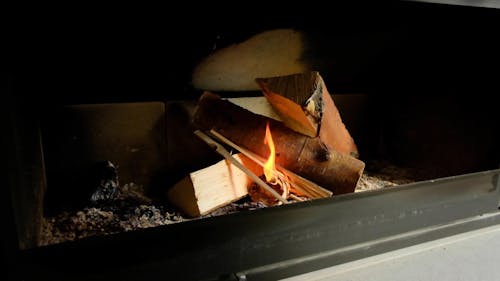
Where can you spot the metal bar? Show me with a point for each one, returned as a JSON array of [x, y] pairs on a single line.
[[219, 247]]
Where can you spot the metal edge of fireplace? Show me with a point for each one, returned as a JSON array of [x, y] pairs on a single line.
[[282, 241]]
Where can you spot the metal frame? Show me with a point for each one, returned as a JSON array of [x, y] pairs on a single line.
[[280, 241]]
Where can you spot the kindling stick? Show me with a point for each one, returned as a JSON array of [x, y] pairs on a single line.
[[222, 151]]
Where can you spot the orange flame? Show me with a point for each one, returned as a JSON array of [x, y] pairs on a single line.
[[269, 166]]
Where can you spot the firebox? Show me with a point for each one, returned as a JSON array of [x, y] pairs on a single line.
[[98, 127]]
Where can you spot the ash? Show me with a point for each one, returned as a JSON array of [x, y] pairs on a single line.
[[380, 174], [131, 209]]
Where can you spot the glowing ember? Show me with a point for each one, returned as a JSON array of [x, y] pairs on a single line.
[[269, 167]]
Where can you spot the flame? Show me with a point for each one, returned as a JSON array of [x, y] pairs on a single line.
[[269, 166]]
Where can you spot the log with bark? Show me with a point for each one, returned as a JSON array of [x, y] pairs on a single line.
[[308, 157], [305, 105]]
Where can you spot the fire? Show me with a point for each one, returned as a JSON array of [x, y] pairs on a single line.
[[269, 166]]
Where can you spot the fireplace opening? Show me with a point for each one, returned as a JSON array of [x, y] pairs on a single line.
[[97, 140], [109, 167], [106, 167]]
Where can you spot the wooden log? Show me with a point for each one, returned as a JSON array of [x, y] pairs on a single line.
[[213, 187], [303, 155], [305, 105]]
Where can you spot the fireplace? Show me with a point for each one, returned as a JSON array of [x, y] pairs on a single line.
[[413, 94]]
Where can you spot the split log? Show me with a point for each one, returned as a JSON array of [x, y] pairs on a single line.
[[213, 187], [303, 155], [305, 105]]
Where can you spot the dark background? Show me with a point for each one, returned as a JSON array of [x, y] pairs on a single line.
[[117, 53]]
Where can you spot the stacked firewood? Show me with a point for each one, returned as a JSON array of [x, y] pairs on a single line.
[[314, 154]]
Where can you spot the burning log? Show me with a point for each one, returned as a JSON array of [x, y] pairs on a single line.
[[306, 156], [212, 187], [222, 151], [218, 185], [190, 194], [299, 184], [304, 104]]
